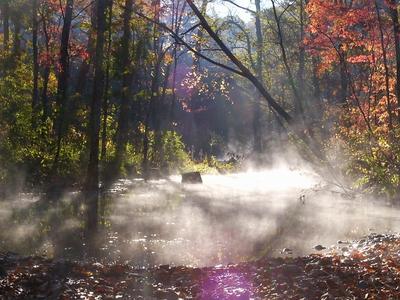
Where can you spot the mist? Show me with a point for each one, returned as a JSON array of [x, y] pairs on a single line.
[[227, 219], [243, 216]]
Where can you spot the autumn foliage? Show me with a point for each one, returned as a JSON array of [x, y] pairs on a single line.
[[356, 40]]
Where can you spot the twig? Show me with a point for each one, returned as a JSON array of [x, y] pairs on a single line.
[[190, 48]]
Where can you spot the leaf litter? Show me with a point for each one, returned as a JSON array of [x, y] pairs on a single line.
[[364, 269]]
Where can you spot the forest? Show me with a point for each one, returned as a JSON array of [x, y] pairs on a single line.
[[286, 111]]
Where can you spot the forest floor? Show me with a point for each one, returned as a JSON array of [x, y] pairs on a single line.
[[364, 269]]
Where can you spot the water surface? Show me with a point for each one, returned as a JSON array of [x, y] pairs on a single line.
[[228, 219]]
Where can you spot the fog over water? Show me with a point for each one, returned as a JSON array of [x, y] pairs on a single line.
[[227, 219]]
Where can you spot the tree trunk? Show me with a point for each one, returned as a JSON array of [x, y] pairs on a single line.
[[92, 177], [16, 35], [385, 64], [35, 92], [198, 43], [46, 74], [396, 32], [6, 23], [85, 66], [302, 55], [258, 147], [297, 97], [316, 90], [173, 87], [160, 118], [44, 95], [154, 90], [107, 84], [344, 83], [62, 87], [176, 24], [126, 85]]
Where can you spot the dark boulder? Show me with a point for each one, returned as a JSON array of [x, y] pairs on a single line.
[[191, 177]]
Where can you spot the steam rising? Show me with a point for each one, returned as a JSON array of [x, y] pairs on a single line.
[[229, 218], [236, 217]]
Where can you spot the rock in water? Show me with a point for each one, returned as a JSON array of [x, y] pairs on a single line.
[[319, 247], [286, 251], [191, 177]]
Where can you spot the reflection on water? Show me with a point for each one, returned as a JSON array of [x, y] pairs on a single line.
[[229, 218]]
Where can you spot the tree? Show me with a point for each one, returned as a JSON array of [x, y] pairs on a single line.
[[35, 28], [258, 147], [298, 101], [127, 76], [396, 37], [63, 79], [92, 177], [245, 72], [357, 42], [46, 62], [385, 64], [107, 91], [5, 11], [16, 20]]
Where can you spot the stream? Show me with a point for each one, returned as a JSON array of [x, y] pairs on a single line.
[[227, 219]]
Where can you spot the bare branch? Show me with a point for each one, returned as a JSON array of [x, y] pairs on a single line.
[[83, 9], [241, 7], [246, 72], [181, 41], [191, 29], [246, 34], [292, 124]]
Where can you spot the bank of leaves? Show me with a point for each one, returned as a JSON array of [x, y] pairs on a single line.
[[365, 269]]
